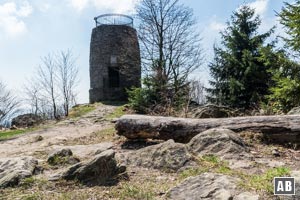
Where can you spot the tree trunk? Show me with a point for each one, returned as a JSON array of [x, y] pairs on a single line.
[[283, 128]]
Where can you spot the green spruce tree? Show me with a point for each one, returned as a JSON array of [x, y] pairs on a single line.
[[286, 92], [240, 75], [290, 19]]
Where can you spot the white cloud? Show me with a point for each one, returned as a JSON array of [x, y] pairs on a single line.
[[79, 4], [11, 18], [116, 6], [25, 9], [44, 7], [260, 6], [217, 26]]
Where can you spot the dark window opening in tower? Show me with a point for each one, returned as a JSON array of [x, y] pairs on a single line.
[[114, 77]]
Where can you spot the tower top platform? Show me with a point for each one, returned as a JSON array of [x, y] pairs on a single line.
[[114, 19]]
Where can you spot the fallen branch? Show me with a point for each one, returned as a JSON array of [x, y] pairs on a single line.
[[283, 128]]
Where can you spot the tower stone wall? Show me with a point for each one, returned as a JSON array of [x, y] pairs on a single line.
[[115, 62]]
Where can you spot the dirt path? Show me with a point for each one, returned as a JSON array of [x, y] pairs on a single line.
[[57, 134]]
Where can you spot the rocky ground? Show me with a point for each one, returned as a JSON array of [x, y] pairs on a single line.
[[83, 158]]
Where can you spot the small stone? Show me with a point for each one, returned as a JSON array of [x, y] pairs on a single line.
[[13, 127], [276, 153], [38, 138], [62, 156]]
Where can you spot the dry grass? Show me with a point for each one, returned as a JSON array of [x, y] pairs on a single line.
[[80, 110], [118, 112], [143, 184], [105, 135]]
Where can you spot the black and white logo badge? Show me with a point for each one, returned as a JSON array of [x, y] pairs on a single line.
[[284, 186]]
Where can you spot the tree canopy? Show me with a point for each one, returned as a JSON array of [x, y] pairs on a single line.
[[171, 51], [285, 94], [239, 70]]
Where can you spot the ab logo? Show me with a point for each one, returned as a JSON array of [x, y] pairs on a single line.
[[284, 186]]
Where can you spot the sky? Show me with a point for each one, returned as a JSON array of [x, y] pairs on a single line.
[[31, 29]]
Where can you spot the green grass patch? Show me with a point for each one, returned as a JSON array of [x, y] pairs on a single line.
[[263, 182], [30, 182], [192, 172], [35, 196], [27, 182], [207, 163], [80, 110], [258, 182], [133, 191], [105, 134], [62, 160], [4, 135], [118, 112]]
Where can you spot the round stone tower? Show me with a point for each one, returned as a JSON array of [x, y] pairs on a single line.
[[115, 63]]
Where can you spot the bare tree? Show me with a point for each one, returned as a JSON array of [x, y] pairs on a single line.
[[47, 78], [51, 91], [170, 43], [33, 96], [8, 103], [68, 78]]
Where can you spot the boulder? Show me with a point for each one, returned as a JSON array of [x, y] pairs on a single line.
[[100, 170], [217, 141], [213, 111], [205, 186], [62, 156], [26, 120], [13, 170], [167, 156], [294, 111]]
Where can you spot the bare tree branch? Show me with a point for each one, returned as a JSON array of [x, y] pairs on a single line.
[[68, 73], [51, 91], [171, 48], [8, 104]]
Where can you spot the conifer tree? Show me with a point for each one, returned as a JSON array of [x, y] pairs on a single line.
[[240, 75], [290, 19], [286, 92]]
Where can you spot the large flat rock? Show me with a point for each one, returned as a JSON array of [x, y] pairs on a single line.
[[221, 142], [102, 169], [167, 156], [13, 170], [209, 186]]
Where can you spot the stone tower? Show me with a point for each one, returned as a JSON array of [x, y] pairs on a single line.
[[115, 62]]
